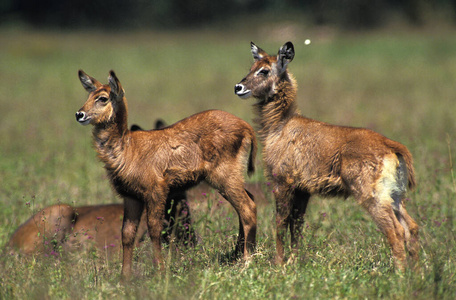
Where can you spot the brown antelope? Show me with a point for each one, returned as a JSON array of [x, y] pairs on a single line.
[[304, 157], [73, 228], [148, 167], [70, 228], [45, 231]]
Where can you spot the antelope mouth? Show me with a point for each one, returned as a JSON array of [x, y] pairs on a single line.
[[241, 91], [84, 122], [82, 118]]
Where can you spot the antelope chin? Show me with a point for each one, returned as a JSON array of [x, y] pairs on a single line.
[[84, 122], [244, 94]]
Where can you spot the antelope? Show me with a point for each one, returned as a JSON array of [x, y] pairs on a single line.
[[305, 157], [44, 231], [62, 226], [148, 167]]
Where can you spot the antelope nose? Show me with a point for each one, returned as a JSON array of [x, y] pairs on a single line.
[[79, 116], [238, 88]]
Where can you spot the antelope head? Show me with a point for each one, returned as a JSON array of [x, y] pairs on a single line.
[[265, 72], [104, 100]]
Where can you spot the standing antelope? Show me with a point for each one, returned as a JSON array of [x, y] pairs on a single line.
[[304, 157], [147, 167]]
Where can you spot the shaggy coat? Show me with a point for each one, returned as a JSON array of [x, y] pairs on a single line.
[[304, 157], [148, 167]]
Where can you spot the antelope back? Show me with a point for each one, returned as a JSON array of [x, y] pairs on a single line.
[[100, 226], [45, 230], [104, 100], [265, 73]]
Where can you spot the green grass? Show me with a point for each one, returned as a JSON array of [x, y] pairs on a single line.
[[400, 84]]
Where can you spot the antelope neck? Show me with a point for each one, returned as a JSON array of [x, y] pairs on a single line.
[[275, 111], [110, 140]]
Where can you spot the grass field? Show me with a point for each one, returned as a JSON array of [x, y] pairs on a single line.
[[400, 84]]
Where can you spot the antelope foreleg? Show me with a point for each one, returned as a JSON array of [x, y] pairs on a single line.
[[283, 211], [132, 216], [155, 216]]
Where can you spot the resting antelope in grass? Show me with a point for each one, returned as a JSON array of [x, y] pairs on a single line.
[[74, 228], [304, 157], [148, 167], [45, 231]]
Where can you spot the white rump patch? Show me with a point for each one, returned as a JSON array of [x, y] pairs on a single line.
[[392, 184]]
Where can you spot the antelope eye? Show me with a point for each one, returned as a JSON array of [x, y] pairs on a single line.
[[102, 99], [264, 72]]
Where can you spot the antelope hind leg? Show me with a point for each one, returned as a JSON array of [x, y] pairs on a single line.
[[300, 201]]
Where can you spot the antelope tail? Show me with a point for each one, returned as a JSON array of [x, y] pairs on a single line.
[[401, 150], [253, 150]]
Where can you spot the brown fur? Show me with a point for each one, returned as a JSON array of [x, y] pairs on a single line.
[[61, 225], [75, 228], [44, 231], [148, 167], [305, 157]]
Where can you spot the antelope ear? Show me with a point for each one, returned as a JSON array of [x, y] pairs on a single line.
[[160, 124], [116, 87], [257, 52], [89, 83], [285, 56]]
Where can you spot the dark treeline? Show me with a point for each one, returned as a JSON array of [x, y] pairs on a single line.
[[179, 13]]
